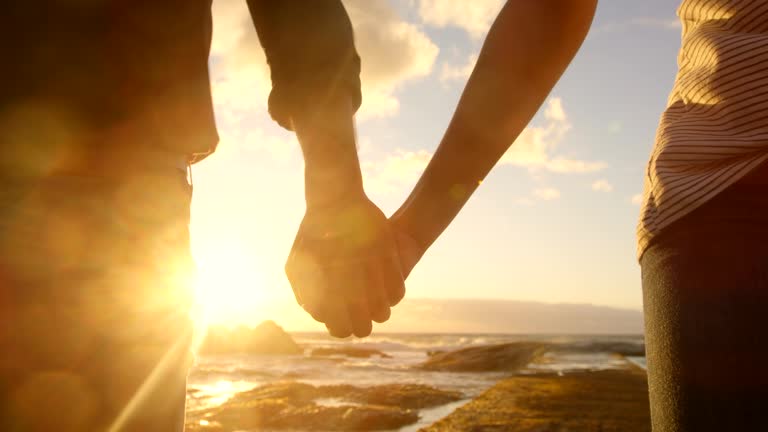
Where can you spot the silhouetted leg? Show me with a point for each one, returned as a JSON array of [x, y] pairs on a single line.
[[94, 299], [705, 285]]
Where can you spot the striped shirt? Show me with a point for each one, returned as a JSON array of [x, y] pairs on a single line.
[[714, 130]]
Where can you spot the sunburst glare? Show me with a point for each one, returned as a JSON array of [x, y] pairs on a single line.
[[229, 285]]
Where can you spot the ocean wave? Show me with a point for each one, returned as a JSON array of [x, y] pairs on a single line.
[[406, 343]]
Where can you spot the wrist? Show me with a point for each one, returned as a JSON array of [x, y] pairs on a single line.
[[332, 178], [404, 225], [332, 172], [334, 189]]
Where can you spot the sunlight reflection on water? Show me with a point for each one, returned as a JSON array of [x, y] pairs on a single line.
[[211, 395]]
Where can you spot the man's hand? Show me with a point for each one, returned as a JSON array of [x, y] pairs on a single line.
[[344, 266]]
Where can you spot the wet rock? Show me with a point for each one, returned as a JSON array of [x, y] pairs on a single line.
[[377, 418], [294, 392], [293, 405], [601, 401], [593, 347], [348, 352], [487, 358], [413, 396], [349, 418], [251, 414], [266, 338]]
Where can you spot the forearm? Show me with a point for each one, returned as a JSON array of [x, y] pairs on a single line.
[[526, 51], [331, 166], [315, 89]]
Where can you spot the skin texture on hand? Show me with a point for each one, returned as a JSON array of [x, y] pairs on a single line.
[[409, 249], [344, 267]]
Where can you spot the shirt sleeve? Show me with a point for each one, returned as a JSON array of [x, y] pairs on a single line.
[[311, 54]]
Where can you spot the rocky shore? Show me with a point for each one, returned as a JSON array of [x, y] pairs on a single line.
[[298, 406], [587, 401], [529, 397], [348, 352], [508, 357], [598, 401]]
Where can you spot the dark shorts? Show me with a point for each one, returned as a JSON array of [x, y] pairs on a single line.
[[705, 287], [94, 303]]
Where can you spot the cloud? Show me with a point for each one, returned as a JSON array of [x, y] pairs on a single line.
[[536, 146], [527, 201], [475, 17], [573, 166], [240, 77], [639, 22], [665, 23], [546, 194], [237, 143], [539, 194], [393, 52], [602, 186], [458, 72], [637, 199], [397, 170]]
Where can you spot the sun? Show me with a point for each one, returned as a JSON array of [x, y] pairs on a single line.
[[229, 285]]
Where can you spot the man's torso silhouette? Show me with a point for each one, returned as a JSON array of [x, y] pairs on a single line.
[[102, 105]]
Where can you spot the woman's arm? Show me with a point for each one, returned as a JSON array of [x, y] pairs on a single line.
[[526, 51]]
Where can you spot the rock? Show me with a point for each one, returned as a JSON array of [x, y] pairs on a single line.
[[349, 418], [377, 418], [591, 347], [412, 396], [252, 414], [488, 358], [293, 406], [294, 392], [348, 351], [266, 338], [601, 401]]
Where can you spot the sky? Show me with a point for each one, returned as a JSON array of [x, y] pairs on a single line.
[[554, 222]]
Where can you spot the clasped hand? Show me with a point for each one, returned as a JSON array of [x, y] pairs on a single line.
[[345, 267]]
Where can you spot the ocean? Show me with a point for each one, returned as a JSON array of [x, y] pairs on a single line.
[[215, 379]]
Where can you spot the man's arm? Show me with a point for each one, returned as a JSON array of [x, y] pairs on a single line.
[[343, 266], [315, 72], [526, 51]]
